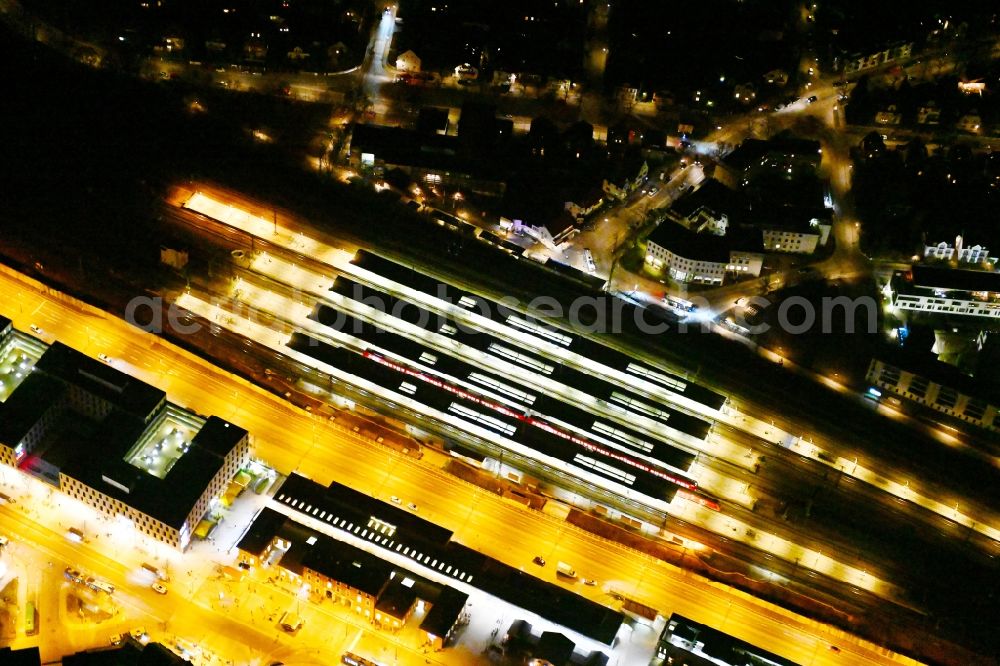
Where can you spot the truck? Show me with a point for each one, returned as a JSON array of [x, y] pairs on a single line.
[[291, 622], [98, 585], [566, 570], [161, 575]]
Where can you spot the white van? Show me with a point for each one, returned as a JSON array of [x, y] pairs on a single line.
[[291, 622], [564, 569]]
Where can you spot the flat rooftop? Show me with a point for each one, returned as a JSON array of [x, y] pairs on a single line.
[[352, 566], [445, 612], [118, 388], [18, 355], [398, 597], [347, 502], [512, 585], [955, 279], [35, 395], [711, 646], [104, 462], [163, 444]]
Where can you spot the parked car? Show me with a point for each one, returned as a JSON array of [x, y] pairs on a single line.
[[811, 99], [539, 560], [159, 588]]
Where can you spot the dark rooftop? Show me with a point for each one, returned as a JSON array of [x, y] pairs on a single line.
[[121, 390], [129, 653], [431, 120], [554, 648], [935, 277], [445, 612], [712, 195], [705, 246], [721, 646], [690, 245], [397, 598], [751, 151], [26, 405], [265, 526], [100, 463], [350, 565], [218, 437], [340, 499], [927, 365], [29, 656], [517, 587], [404, 147]]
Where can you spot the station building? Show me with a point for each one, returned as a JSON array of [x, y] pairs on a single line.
[[307, 507], [384, 594]]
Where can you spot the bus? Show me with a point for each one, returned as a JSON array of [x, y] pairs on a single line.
[[30, 629]]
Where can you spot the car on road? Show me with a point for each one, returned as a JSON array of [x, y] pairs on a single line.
[[36, 330], [589, 258], [159, 588], [653, 190], [105, 358], [539, 560], [811, 99], [116, 639], [411, 506], [395, 500], [73, 575], [139, 634]]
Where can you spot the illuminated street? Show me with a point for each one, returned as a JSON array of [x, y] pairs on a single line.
[[292, 440]]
